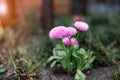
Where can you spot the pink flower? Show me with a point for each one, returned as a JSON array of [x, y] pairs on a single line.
[[66, 41], [74, 42], [77, 17], [82, 26], [70, 31], [57, 32]]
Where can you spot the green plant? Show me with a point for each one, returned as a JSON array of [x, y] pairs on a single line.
[[102, 38], [72, 58], [23, 65], [68, 53], [42, 47]]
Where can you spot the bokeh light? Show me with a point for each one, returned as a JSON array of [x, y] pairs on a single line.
[[3, 9]]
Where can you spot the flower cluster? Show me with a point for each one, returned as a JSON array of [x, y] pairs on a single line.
[[71, 57], [67, 41], [67, 33]]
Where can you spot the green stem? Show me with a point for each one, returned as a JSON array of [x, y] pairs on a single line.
[[77, 35], [67, 58], [14, 65]]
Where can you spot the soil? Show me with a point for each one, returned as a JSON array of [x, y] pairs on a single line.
[[102, 73]]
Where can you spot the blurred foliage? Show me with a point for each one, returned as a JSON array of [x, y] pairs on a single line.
[[42, 48], [103, 36], [27, 26], [63, 20], [6, 36], [24, 65], [26, 32], [30, 34], [115, 75]]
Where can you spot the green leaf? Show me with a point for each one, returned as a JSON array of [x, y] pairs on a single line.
[[59, 51], [53, 58], [53, 63], [86, 66], [77, 77], [63, 63], [81, 51], [80, 75], [75, 55], [91, 60]]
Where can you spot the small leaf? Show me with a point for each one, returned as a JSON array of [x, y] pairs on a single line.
[[82, 51], [53, 63], [80, 75], [77, 77], [52, 58], [75, 55], [59, 51], [91, 60]]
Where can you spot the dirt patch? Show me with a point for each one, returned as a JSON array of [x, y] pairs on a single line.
[[101, 73], [94, 74]]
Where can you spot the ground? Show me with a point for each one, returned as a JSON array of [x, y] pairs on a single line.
[[101, 73]]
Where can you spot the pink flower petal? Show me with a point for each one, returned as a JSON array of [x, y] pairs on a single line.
[[82, 26]]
